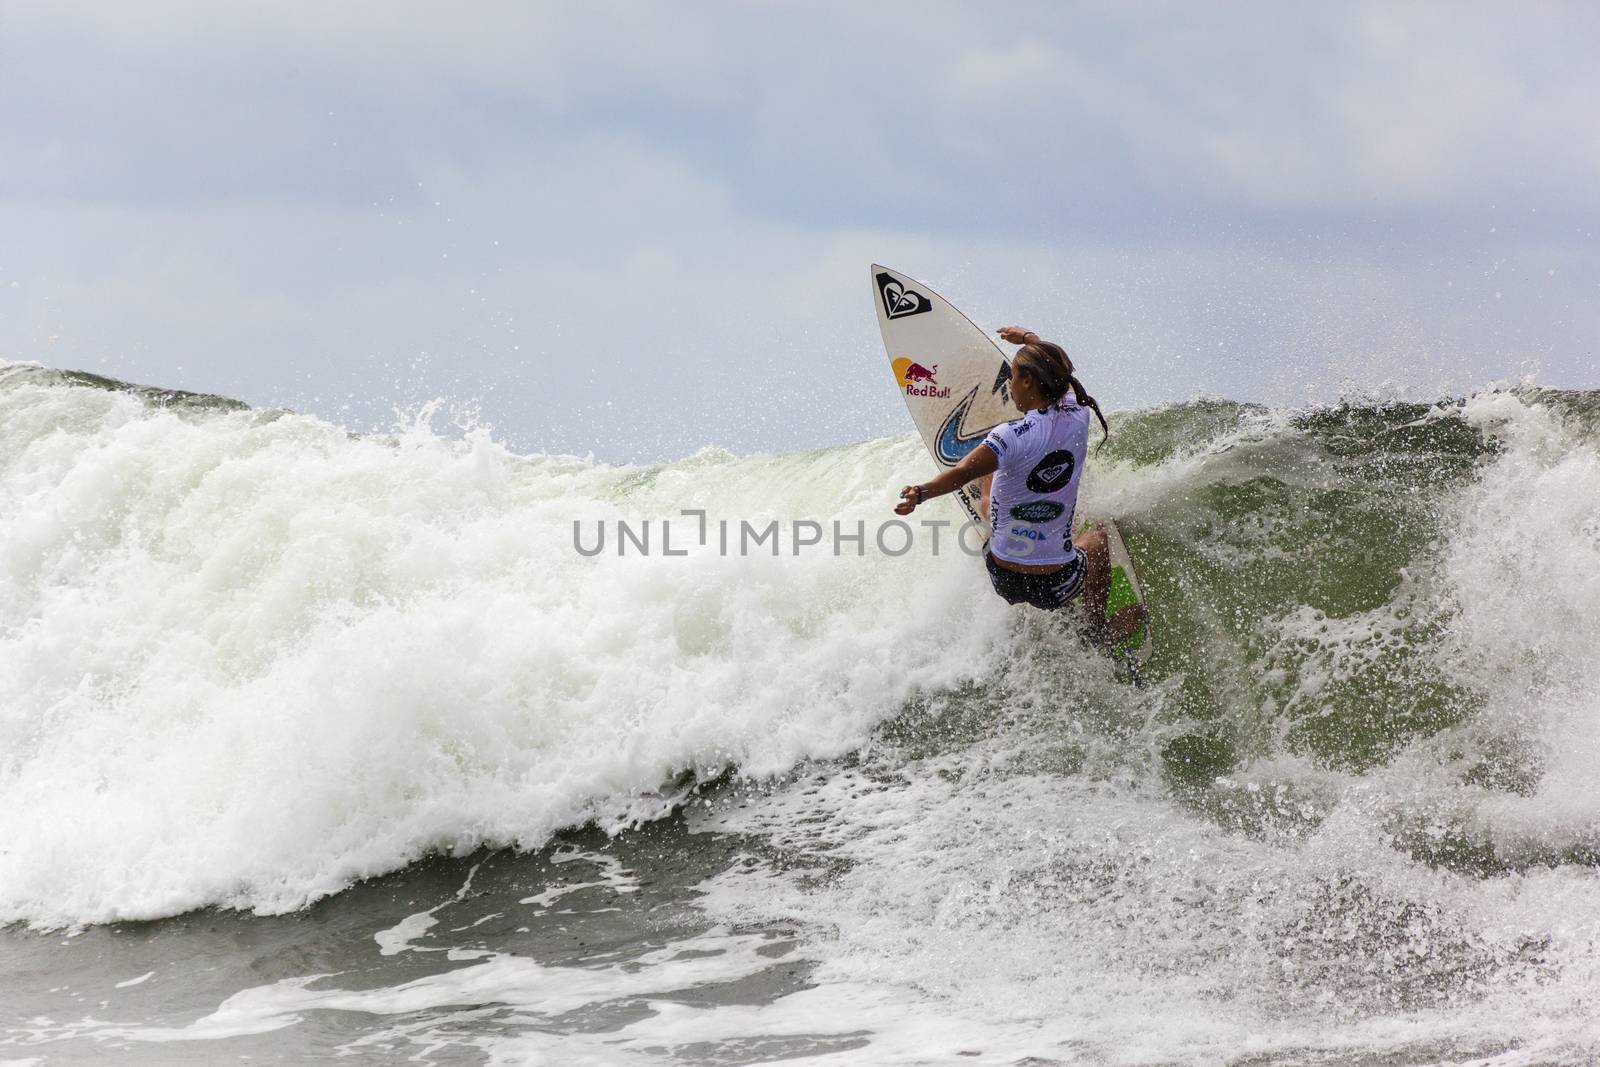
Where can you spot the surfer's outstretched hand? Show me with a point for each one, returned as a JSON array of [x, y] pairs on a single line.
[[1017, 335], [910, 497]]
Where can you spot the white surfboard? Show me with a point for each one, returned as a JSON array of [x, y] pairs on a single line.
[[955, 380], [957, 383]]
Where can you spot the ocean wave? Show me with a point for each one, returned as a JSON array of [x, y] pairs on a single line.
[[247, 658]]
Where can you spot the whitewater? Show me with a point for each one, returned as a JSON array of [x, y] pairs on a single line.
[[315, 742]]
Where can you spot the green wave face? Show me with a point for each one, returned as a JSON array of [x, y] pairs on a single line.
[[1317, 517], [1372, 587]]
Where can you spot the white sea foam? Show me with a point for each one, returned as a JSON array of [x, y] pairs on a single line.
[[401, 937], [613, 878], [139, 980], [1077, 921], [1524, 568], [496, 979], [247, 660]]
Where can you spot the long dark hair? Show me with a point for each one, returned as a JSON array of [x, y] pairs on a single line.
[[1048, 364]]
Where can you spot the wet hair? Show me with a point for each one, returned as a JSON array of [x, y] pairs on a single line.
[[1048, 364]]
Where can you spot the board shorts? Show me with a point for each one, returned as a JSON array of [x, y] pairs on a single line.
[[1047, 591]]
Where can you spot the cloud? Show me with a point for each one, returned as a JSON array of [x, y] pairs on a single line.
[[638, 228], [823, 111]]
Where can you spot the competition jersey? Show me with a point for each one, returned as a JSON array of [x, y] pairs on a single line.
[[1035, 489]]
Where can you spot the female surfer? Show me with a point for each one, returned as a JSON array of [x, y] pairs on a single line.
[[1036, 462]]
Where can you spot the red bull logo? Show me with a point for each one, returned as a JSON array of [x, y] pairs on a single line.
[[918, 380]]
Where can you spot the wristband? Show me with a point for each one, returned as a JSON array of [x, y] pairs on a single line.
[[922, 493]]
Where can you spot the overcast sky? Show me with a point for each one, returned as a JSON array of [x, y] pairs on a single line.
[[634, 229]]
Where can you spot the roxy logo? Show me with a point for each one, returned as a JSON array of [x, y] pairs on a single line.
[[1052, 472], [898, 301]]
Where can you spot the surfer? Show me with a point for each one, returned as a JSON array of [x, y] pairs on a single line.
[[1035, 463]]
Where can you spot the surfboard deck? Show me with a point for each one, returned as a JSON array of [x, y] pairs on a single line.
[[956, 382], [1125, 590], [953, 377]]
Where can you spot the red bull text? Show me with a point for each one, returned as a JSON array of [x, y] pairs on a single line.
[[917, 373]]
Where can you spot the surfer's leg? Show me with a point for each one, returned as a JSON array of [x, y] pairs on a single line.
[[1097, 580], [1097, 592]]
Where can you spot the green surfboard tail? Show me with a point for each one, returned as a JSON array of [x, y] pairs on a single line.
[[1123, 595]]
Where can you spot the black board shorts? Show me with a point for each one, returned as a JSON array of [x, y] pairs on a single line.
[[1047, 591]]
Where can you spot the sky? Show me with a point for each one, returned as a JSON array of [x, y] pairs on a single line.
[[630, 230]]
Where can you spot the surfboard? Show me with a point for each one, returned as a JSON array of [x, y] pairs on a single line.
[[1125, 590], [956, 382]]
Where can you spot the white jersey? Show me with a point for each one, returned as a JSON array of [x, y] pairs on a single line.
[[1035, 489]]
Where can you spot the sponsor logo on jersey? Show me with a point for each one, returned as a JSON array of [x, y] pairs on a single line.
[[1037, 511], [1052, 472], [899, 301], [918, 380]]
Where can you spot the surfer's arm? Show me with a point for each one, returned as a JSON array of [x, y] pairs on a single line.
[[977, 463], [1017, 335]]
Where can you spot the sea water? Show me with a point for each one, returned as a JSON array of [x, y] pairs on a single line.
[[315, 744]]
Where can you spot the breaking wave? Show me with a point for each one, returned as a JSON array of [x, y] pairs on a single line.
[[247, 658]]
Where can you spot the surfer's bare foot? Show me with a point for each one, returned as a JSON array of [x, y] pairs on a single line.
[[1125, 623], [1108, 633]]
